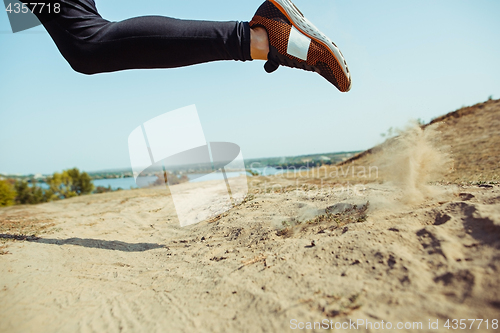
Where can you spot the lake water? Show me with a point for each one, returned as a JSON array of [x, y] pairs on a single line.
[[129, 183]]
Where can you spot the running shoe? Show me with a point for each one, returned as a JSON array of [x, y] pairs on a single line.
[[295, 42]]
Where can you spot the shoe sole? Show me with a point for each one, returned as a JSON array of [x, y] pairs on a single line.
[[307, 28]]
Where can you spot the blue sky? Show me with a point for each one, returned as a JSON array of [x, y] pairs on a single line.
[[408, 59]]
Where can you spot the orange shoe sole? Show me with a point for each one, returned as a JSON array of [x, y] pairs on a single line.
[[297, 19]]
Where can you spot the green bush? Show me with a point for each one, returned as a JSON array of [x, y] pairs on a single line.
[[30, 195], [7, 194], [103, 189], [81, 182], [70, 183], [67, 184]]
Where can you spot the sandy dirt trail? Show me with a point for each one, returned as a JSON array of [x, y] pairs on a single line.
[[120, 262]]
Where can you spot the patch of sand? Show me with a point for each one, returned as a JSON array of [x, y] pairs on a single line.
[[120, 262], [324, 246]]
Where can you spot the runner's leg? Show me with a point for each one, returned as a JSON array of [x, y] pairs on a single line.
[[92, 44]]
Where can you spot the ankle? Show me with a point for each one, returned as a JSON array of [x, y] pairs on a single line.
[[259, 43]]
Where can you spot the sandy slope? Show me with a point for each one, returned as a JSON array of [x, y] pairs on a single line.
[[472, 136], [120, 262]]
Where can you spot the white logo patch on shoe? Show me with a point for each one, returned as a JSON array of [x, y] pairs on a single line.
[[298, 44]]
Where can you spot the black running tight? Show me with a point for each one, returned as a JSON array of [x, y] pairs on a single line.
[[93, 45]]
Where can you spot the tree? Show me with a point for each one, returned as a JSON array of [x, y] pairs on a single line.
[[61, 186], [70, 183], [7, 194], [81, 182], [30, 195]]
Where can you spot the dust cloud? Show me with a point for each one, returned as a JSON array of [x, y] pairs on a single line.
[[413, 159]]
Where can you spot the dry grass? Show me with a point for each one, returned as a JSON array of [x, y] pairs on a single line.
[[23, 224], [252, 261], [3, 251], [18, 225]]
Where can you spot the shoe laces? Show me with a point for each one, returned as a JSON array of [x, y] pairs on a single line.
[[276, 59]]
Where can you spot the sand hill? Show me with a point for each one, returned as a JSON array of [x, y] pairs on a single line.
[[329, 247], [472, 135]]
